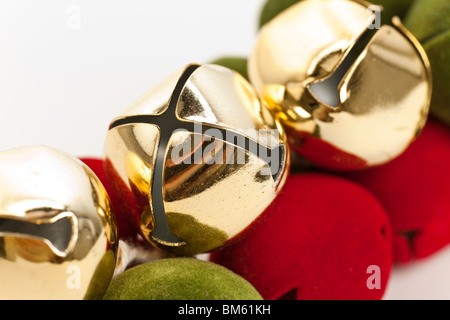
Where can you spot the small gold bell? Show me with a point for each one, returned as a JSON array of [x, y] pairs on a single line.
[[197, 160], [58, 238], [350, 94]]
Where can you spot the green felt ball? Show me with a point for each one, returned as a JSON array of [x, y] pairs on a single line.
[[391, 8], [429, 21], [428, 18], [180, 279], [272, 8], [238, 64]]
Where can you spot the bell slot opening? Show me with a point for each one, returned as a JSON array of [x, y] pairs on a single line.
[[59, 233], [327, 91]]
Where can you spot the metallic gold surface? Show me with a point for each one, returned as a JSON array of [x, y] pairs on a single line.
[[197, 174], [350, 96], [58, 237]]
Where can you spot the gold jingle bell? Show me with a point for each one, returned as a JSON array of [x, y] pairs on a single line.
[[197, 159], [58, 238], [349, 93]]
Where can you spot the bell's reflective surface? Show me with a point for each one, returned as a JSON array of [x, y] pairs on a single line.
[[349, 94], [58, 237], [198, 159]]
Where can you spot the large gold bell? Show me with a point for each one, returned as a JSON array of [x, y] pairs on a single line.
[[197, 160], [58, 237], [350, 94]]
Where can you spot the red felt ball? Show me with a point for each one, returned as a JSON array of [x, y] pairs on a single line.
[[323, 154], [324, 238], [126, 228], [415, 189]]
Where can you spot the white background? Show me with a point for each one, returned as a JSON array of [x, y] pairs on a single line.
[[68, 67]]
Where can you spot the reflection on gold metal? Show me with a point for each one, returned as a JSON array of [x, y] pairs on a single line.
[[349, 96], [56, 227], [199, 158]]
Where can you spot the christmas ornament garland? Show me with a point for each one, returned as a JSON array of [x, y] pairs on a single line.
[[304, 171]]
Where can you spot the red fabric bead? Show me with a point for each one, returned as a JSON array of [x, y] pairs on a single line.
[[318, 242], [323, 154], [414, 190], [127, 230]]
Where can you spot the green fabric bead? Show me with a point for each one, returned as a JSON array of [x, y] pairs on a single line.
[[391, 8], [180, 279], [238, 64], [428, 18], [429, 21], [271, 8]]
